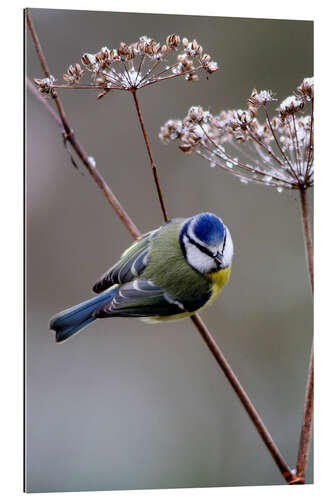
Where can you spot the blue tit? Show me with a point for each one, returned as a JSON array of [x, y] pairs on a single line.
[[169, 273]]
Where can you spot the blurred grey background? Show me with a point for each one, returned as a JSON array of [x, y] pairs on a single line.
[[126, 405]]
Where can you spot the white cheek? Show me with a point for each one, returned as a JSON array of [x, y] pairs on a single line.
[[197, 259], [228, 250]]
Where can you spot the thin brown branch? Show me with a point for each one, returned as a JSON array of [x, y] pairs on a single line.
[[44, 102], [152, 163], [85, 87], [307, 421], [38, 47], [307, 234], [204, 332], [46, 70], [78, 148], [169, 77], [306, 430]]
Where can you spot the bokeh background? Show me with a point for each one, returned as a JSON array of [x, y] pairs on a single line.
[[127, 405]]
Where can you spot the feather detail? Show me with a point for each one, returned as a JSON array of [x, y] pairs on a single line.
[[72, 320], [130, 265], [139, 298]]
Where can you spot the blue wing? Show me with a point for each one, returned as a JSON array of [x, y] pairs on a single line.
[[130, 265]]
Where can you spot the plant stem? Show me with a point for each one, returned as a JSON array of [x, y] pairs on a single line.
[[152, 163], [307, 234], [305, 437], [129, 224], [44, 102], [78, 148]]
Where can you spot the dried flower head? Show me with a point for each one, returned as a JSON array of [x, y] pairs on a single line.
[[291, 105], [307, 88], [74, 74], [258, 99], [139, 64], [276, 151], [173, 42], [45, 85]]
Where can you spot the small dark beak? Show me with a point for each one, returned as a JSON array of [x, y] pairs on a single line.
[[219, 258]]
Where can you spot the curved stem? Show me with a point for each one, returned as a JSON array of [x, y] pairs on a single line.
[[152, 163], [306, 430]]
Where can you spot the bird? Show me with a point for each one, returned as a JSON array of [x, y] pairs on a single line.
[[169, 273]]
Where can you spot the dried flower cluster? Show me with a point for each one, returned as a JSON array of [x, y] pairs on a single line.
[[45, 85], [136, 65], [74, 74], [276, 151]]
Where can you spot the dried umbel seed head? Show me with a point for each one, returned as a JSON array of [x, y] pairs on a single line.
[[244, 118], [261, 98], [205, 60], [125, 52], [173, 42], [280, 148], [212, 67], [307, 88], [170, 131], [105, 54], [139, 64], [90, 61], [74, 74], [290, 106], [209, 65], [196, 114], [45, 85], [185, 66], [192, 135], [193, 49]]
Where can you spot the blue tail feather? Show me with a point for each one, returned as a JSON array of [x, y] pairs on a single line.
[[70, 321]]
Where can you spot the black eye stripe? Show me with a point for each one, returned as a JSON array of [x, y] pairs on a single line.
[[204, 249], [201, 247]]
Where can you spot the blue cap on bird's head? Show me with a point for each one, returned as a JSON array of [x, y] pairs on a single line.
[[206, 243], [208, 228]]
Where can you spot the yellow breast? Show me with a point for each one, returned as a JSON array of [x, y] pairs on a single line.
[[219, 279]]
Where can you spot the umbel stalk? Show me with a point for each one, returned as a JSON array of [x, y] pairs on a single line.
[[306, 430]]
